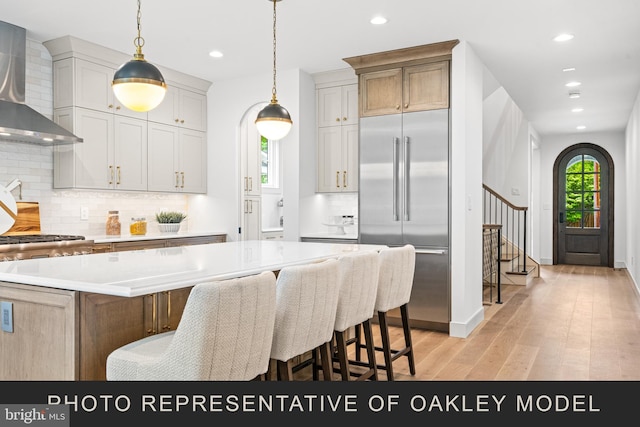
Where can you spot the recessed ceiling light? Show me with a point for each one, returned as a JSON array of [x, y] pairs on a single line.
[[568, 69], [48, 139], [574, 94], [5, 134], [573, 84], [581, 127], [378, 20], [215, 54], [563, 37], [577, 110]]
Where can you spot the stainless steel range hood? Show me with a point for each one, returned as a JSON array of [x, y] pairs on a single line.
[[19, 122]]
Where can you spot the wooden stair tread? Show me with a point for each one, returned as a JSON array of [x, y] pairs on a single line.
[[522, 273]]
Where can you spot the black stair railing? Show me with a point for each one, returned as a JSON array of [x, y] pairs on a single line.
[[492, 245], [513, 219]]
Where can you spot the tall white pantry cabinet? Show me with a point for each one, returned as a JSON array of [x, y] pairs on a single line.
[[163, 150]]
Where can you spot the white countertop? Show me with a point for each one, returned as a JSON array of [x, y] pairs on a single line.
[[134, 273], [126, 237]]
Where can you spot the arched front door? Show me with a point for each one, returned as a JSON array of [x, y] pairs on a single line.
[[583, 206]]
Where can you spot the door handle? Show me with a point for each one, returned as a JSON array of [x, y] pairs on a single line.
[[561, 217]]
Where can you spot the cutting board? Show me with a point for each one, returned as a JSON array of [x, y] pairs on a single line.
[[27, 220]]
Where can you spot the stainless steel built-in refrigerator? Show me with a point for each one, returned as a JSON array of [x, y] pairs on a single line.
[[404, 198]]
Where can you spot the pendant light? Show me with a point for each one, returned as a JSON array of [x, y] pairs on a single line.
[[273, 121], [137, 84]]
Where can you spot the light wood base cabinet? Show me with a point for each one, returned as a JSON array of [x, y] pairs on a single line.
[[108, 322], [44, 343]]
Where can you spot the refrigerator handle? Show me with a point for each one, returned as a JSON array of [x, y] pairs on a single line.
[[395, 178], [431, 251], [405, 198]]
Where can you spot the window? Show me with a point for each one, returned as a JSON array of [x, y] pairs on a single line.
[[582, 202], [269, 164]]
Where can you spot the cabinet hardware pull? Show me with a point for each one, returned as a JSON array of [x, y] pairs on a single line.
[[182, 121], [110, 106], [154, 314], [118, 107], [176, 179], [118, 181], [344, 179], [177, 120], [398, 107], [110, 174], [250, 183], [182, 173], [337, 179], [337, 119], [167, 326], [344, 119], [245, 183], [406, 105]]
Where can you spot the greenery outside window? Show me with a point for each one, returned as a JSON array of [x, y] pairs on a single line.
[[269, 164], [582, 202]]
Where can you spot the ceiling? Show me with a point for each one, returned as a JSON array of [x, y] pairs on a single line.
[[512, 38]]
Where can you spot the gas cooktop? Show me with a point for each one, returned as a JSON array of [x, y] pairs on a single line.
[[37, 238]]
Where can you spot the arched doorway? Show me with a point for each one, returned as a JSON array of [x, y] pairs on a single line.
[[583, 206]]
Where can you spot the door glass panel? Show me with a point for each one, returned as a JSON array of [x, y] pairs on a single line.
[[582, 189], [591, 219], [575, 165], [574, 201], [592, 181], [574, 219], [588, 200]]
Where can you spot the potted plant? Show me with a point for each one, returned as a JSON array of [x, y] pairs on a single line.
[[169, 222]]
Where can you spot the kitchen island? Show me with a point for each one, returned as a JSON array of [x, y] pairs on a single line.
[[69, 313]]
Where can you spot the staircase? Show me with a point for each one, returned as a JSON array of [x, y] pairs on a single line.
[[516, 267]]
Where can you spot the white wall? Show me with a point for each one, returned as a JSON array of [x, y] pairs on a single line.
[[227, 103], [466, 191], [632, 159], [550, 148]]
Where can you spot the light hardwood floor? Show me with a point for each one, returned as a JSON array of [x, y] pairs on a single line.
[[572, 323]]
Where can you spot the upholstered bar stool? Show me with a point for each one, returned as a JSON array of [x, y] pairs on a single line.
[[306, 303], [225, 333], [397, 268], [358, 288], [395, 281]]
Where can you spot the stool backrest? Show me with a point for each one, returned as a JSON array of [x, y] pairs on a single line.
[[358, 287], [225, 331], [306, 303], [397, 268]]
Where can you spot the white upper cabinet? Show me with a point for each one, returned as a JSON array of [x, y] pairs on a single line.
[[86, 84], [338, 105], [113, 155], [338, 159], [177, 159], [181, 107], [162, 150], [337, 133]]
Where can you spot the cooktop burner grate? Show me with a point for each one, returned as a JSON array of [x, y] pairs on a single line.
[[37, 238]]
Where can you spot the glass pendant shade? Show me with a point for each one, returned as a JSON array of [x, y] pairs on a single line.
[[273, 121], [139, 85]]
